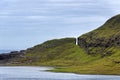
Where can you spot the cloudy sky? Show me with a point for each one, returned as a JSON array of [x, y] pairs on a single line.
[[25, 23]]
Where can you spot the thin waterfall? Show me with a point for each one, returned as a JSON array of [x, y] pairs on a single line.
[[76, 41]]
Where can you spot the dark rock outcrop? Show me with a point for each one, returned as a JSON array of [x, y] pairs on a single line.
[[102, 38], [14, 54]]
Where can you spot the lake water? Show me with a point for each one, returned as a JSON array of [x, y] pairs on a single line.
[[5, 51], [39, 73]]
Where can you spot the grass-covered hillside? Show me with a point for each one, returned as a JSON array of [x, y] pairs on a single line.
[[104, 40], [57, 52], [97, 52]]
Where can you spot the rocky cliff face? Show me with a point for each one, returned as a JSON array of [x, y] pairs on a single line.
[[103, 38], [6, 57]]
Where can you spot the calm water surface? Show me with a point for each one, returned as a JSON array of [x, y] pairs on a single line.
[[39, 73], [5, 51]]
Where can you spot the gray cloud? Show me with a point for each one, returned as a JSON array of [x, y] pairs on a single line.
[[27, 21]]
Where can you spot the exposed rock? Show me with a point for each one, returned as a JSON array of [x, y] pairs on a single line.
[[105, 37]]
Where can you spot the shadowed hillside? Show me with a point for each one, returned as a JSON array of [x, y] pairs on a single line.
[[104, 40]]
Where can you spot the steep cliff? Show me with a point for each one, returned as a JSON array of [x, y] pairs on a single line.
[[103, 40]]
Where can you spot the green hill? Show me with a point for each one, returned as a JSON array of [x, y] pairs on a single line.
[[104, 41], [57, 52], [102, 44], [97, 52]]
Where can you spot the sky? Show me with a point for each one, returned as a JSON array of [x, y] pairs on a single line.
[[25, 23]]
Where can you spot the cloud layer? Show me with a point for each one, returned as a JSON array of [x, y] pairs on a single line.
[[24, 23]]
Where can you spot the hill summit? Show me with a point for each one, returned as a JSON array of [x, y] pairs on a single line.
[[104, 39]]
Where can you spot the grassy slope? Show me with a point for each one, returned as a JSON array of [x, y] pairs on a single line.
[[104, 59], [67, 54], [99, 66], [95, 64], [108, 35], [110, 28]]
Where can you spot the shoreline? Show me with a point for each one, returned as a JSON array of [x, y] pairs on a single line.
[[57, 70]]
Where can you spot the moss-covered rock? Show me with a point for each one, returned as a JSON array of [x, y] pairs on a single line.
[[103, 38]]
